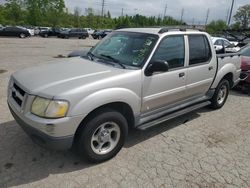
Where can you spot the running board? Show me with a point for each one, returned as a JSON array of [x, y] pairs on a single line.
[[173, 115]]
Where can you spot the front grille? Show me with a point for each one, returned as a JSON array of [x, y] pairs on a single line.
[[17, 94], [22, 92]]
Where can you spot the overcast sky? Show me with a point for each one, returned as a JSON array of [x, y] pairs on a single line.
[[193, 9]]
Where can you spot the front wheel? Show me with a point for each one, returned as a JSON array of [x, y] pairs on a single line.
[[220, 95], [103, 136]]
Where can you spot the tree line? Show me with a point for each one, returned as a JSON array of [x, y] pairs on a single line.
[[53, 13]]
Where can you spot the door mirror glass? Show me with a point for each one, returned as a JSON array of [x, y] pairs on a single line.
[[156, 66]]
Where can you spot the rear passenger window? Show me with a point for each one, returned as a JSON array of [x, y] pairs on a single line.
[[199, 49], [172, 50]]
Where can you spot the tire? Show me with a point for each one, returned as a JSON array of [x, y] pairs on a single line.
[[221, 94], [94, 139], [22, 36], [46, 36]]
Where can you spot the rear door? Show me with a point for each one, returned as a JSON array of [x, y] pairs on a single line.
[[201, 67], [73, 33]]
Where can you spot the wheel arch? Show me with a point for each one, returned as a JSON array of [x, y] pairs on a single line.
[[121, 107], [229, 78], [225, 73]]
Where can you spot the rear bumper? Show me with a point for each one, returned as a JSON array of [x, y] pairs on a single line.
[[42, 139], [247, 80]]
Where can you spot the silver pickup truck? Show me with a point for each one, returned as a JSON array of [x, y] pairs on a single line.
[[133, 78]]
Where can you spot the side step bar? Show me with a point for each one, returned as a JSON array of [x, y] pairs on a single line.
[[173, 115]]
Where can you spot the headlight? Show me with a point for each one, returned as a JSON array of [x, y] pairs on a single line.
[[49, 108]]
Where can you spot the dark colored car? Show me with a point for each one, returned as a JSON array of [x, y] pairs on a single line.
[[244, 84], [78, 33], [100, 34], [245, 66], [54, 32], [15, 32]]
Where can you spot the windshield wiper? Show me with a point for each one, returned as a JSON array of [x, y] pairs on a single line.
[[91, 55], [114, 60]]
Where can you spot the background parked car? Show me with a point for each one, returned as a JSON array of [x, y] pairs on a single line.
[[50, 32], [245, 68], [99, 34], [89, 30], [78, 33], [220, 43], [40, 29], [30, 29], [15, 32]]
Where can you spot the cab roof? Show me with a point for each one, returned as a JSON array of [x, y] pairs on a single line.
[[158, 30]]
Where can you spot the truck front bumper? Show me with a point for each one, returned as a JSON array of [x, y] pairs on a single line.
[[42, 139]]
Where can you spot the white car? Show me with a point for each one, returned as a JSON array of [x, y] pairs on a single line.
[[31, 31], [230, 47], [89, 30]]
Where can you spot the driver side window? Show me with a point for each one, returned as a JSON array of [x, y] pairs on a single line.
[[172, 50]]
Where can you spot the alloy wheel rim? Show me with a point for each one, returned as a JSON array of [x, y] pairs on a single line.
[[105, 138], [222, 94]]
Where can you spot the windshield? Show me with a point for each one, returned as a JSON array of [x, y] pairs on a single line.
[[131, 49]]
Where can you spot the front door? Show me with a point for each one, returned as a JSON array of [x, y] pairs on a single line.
[[163, 89]]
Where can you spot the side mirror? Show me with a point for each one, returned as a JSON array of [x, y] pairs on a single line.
[[156, 66], [220, 50]]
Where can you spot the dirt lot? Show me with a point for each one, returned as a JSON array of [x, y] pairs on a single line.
[[201, 149]]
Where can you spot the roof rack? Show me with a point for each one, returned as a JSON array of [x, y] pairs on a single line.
[[178, 28]]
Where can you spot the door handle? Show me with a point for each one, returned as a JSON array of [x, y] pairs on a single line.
[[210, 68], [182, 74]]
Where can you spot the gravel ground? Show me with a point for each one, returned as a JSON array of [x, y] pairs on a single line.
[[201, 149]]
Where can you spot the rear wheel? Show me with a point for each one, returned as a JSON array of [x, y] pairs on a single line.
[[220, 95], [103, 136]]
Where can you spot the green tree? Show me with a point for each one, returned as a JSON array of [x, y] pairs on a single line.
[[55, 12], [109, 15], [34, 8], [14, 12], [90, 17], [77, 14], [242, 16], [44, 12], [216, 26]]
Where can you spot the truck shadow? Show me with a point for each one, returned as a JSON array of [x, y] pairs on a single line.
[[136, 136], [22, 161]]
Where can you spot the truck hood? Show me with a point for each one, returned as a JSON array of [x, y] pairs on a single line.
[[50, 79]]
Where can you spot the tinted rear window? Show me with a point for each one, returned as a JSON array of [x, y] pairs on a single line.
[[199, 49]]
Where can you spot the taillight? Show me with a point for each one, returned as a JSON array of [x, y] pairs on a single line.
[[241, 60]]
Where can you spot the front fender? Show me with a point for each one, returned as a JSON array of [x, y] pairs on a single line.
[[106, 96]]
